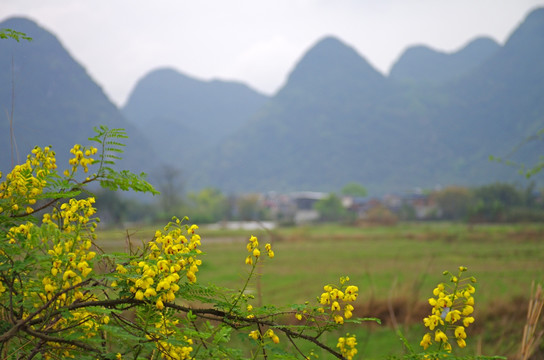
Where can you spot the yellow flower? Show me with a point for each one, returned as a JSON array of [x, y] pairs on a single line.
[[149, 292], [468, 320], [254, 335], [159, 304], [426, 341], [467, 310], [432, 321], [191, 276], [348, 311], [453, 316], [460, 332], [440, 336], [139, 295], [351, 293], [68, 274], [325, 298]]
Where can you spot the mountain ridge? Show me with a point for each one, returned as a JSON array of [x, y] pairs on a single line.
[[397, 136], [336, 120], [423, 64], [55, 100]]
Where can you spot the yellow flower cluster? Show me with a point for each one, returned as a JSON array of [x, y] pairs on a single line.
[[347, 346], [333, 296], [269, 334], [170, 255], [74, 216], [82, 157], [22, 231], [253, 249], [165, 330], [25, 183], [452, 307], [71, 263]]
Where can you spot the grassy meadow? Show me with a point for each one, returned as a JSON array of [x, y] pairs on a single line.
[[394, 267]]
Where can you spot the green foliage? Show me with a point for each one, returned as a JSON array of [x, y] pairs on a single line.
[[453, 201], [111, 146], [209, 205], [331, 208], [12, 34], [354, 189], [492, 202]]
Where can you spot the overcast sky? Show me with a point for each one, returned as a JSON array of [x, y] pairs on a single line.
[[254, 41]]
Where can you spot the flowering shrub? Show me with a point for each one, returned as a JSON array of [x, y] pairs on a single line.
[[60, 297], [452, 307]]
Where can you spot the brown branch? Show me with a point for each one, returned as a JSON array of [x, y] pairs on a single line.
[[296, 347], [49, 338], [228, 318], [29, 319]]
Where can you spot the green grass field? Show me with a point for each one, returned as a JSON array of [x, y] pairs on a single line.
[[394, 267]]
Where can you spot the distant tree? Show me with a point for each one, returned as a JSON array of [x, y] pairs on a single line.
[[331, 208], [207, 206], [170, 184], [354, 189], [114, 209], [491, 202], [250, 208], [380, 215], [453, 201]]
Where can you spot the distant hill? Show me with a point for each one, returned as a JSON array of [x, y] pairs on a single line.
[[433, 121], [55, 101], [500, 103], [423, 64], [337, 120], [182, 115]]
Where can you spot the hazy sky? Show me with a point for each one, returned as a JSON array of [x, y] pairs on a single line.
[[254, 41]]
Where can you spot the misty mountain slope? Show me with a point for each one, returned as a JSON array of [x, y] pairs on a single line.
[[421, 64], [502, 101], [336, 120], [182, 115], [55, 101]]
